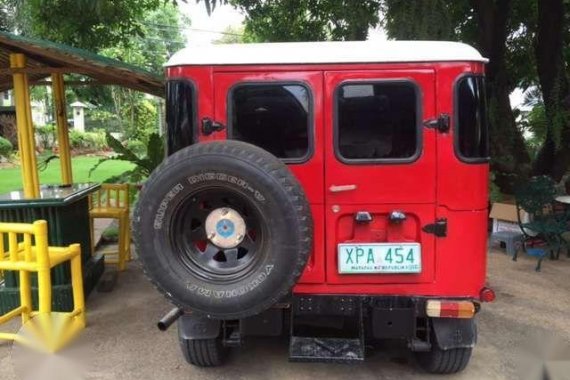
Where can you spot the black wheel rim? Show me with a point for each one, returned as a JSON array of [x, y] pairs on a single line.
[[198, 253]]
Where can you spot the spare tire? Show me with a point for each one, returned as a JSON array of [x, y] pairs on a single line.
[[223, 229]]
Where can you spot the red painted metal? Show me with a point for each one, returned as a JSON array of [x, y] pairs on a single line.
[[436, 185]]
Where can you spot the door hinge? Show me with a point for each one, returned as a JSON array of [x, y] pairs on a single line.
[[439, 228], [210, 126], [441, 124]]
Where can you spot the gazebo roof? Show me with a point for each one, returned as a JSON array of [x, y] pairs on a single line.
[[46, 57]]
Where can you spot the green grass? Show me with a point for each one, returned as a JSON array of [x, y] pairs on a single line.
[[11, 178]]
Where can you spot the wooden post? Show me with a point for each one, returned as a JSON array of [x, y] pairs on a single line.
[[26, 138], [58, 90]]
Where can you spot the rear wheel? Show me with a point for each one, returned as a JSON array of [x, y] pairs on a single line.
[[441, 361], [204, 352]]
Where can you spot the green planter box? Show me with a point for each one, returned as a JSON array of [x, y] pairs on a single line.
[[66, 209]]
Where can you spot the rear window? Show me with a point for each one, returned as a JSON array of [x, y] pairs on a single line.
[[180, 114], [472, 136], [377, 122], [275, 117]]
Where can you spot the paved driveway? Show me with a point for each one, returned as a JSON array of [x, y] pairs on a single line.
[[122, 342]]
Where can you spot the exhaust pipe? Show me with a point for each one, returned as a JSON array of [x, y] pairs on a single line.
[[170, 317]]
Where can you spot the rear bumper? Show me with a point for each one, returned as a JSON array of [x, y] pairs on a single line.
[[323, 324], [382, 317]]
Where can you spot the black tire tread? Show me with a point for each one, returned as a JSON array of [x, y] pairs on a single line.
[[277, 170], [203, 352], [440, 361]]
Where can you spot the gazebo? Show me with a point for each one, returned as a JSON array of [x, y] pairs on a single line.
[[24, 62]]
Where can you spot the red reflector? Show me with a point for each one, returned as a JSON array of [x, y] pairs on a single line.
[[487, 295]]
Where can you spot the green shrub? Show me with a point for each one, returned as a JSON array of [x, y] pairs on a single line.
[[6, 147], [95, 140], [495, 194], [144, 164], [136, 146], [87, 140], [76, 139], [46, 136]]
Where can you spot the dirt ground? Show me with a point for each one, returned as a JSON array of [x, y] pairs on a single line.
[[122, 342]]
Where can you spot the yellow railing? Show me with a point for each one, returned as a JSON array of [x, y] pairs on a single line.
[[112, 201], [28, 252]]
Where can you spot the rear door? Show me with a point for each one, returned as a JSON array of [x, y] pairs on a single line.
[[277, 111], [380, 176]]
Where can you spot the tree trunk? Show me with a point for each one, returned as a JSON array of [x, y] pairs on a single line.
[[554, 156], [508, 149]]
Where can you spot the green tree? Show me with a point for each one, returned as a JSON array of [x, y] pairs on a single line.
[[7, 14], [235, 35], [162, 30], [426, 20], [308, 20], [494, 27], [88, 24], [552, 53], [162, 36]]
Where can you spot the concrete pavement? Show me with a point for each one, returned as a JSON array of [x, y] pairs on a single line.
[[122, 342]]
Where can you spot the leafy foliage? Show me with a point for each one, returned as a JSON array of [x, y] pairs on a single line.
[[235, 35], [6, 147], [89, 24], [46, 136], [144, 163], [536, 194], [87, 140], [308, 20], [428, 19], [495, 194]]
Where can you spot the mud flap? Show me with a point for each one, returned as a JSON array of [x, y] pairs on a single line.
[[195, 327], [454, 333]]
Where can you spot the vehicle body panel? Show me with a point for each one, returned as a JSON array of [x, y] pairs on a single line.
[[436, 185]]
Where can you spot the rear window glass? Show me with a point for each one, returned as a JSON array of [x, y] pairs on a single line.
[[471, 125], [377, 121], [180, 114], [275, 117]]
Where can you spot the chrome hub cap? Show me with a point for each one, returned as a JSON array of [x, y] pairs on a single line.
[[225, 228]]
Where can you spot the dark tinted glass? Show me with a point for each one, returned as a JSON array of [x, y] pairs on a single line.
[[179, 115], [472, 129], [377, 121], [274, 117]]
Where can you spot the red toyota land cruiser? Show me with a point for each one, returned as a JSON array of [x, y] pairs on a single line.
[[335, 191]]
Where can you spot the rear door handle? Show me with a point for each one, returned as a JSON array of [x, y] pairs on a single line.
[[341, 188]]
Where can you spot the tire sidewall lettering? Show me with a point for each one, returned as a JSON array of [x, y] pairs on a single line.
[[163, 205], [236, 292], [224, 177], [199, 179]]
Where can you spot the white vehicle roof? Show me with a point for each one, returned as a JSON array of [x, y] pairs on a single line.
[[325, 52]]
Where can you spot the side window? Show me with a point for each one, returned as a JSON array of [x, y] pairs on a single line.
[[472, 136], [180, 114], [275, 117], [378, 121]]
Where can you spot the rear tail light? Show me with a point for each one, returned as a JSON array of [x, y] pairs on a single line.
[[450, 309], [487, 295]]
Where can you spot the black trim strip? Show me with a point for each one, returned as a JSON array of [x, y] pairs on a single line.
[[460, 157], [194, 105]]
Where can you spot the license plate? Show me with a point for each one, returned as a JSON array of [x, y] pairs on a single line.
[[380, 258]]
